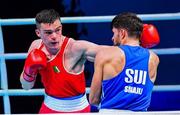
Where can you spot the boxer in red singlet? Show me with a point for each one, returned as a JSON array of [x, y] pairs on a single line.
[[60, 62]]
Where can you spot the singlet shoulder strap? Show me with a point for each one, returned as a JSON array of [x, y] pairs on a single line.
[[41, 45], [66, 39]]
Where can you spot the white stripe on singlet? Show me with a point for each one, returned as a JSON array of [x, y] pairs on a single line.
[[66, 105], [112, 110]]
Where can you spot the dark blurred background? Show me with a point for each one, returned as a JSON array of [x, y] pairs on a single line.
[[17, 39]]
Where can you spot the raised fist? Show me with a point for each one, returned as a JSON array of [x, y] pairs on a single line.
[[35, 61], [150, 36]]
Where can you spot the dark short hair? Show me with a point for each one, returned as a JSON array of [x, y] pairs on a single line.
[[130, 22], [46, 16]]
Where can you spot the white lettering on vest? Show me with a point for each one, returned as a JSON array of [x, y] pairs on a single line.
[[135, 90], [136, 76]]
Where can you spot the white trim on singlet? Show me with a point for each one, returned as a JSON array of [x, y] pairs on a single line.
[[64, 105], [41, 43], [64, 62], [113, 111]]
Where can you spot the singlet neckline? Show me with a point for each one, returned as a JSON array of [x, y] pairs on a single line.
[[60, 52]]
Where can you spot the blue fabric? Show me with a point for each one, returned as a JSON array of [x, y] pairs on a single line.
[[70, 98], [131, 89], [94, 108]]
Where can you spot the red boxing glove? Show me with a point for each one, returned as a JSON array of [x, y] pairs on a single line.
[[35, 61], [150, 36]]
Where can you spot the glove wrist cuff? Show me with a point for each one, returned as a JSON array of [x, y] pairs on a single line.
[[28, 77]]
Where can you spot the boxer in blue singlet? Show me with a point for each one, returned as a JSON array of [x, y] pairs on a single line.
[[125, 73]]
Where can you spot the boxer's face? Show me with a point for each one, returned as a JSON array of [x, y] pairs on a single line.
[[51, 34], [117, 36]]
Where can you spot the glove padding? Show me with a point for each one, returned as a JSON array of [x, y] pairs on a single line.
[[150, 36], [35, 61]]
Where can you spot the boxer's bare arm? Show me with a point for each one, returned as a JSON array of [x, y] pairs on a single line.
[[26, 84]]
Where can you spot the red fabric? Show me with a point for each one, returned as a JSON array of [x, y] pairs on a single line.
[[45, 109], [61, 84]]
